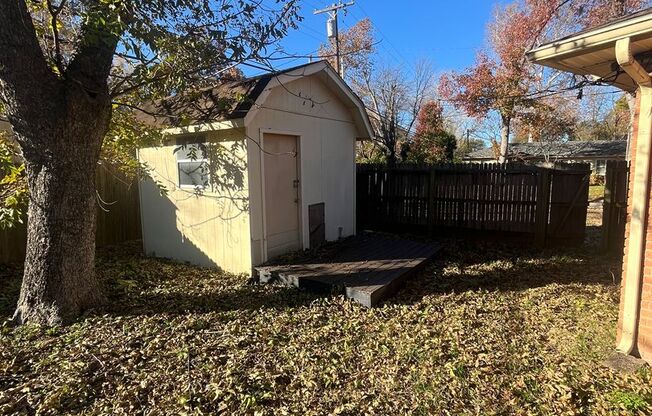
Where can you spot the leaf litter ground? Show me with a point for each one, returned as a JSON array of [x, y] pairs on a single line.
[[488, 328]]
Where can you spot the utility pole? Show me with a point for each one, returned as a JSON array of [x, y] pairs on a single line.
[[333, 31]]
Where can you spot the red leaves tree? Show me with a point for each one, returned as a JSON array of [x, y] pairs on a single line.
[[430, 119], [431, 143], [591, 13], [501, 77], [502, 80]]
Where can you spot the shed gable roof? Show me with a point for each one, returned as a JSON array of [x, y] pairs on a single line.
[[233, 100]]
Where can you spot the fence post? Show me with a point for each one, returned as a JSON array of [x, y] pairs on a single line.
[[543, 206], [431, 201], [614, 208], [607, 205]]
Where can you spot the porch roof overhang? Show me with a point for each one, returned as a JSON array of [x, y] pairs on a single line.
[[620, 53], [593, 52]]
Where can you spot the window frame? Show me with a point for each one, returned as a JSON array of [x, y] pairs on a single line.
[[187, 186]]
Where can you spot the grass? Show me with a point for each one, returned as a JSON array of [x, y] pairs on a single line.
[[596, 192], [487, 329]]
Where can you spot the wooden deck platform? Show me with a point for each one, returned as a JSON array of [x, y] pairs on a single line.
[[368, 268]]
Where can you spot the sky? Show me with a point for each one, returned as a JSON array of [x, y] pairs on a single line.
[[446, 32]]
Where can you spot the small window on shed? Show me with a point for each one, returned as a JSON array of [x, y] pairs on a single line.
[[192, 165]]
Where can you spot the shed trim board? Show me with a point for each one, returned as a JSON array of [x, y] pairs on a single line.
[[205, 127], [623, 48], [326, 133]]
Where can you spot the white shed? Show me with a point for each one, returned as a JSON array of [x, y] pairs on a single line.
[[273, 173]]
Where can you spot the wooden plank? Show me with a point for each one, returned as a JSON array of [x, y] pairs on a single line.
[[542, 207], [390, 278], [614, 214], [431, 201], [344, 269], [370, 267], [316, 224]]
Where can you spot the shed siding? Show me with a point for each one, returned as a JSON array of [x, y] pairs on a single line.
[[327, 134], [211, 229]]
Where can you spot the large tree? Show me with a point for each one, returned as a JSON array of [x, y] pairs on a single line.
[[357, 47], [501, 77], [393, 100], [501, 80], [64, 66], [604, 119]]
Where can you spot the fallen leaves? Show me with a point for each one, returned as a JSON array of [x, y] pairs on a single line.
[[486, 329]]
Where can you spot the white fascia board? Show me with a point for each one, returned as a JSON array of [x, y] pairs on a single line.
[[353, 99], [599, 38], [205, 127]]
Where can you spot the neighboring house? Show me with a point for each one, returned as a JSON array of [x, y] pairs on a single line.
[[596, 152], [266, 166], [618, 53]]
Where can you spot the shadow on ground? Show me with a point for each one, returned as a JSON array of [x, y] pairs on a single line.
[[137, 285], [491, 266]]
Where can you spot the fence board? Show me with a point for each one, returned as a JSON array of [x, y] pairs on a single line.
[[119, 220], [614, 213], [511, 198]]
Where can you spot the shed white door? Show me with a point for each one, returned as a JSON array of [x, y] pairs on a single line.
[[281, 194]]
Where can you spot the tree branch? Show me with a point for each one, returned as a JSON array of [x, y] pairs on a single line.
[[54, 13], [90, 66], [26, 80]]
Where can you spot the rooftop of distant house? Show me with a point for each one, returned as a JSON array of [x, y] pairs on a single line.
[[571, 150]]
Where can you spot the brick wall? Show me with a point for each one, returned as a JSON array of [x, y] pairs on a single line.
[[645, 322]]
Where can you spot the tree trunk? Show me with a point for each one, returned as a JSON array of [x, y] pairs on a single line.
[[60, 119], [59, 279], [391, 156], [504, 139]]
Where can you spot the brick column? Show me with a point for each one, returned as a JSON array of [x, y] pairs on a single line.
[[644, 338]]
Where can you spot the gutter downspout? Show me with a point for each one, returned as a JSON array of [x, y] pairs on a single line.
[[640, 195]]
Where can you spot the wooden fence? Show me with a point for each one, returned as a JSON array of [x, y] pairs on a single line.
[[548, 203], [614, 209], [118, 217]]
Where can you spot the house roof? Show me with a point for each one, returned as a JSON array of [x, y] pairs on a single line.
[[596, 149], [235, 100], [592, 52]]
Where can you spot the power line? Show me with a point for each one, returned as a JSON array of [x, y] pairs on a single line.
[[333, 30], [399, 57], [314, 35]]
